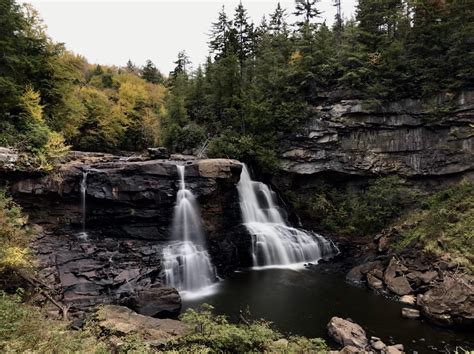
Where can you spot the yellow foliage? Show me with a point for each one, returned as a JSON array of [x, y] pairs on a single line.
[[295, 57], [30, 103], [15, 257]]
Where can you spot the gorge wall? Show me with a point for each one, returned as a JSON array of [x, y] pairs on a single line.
[[348, 141]]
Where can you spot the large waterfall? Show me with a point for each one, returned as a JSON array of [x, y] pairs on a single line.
[[274, 243], [187, 265]]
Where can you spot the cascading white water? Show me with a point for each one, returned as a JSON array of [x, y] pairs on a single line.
[[186, 262], [83, 188], [274, 242]]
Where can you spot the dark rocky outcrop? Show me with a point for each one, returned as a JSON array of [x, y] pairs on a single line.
[[130, 203]]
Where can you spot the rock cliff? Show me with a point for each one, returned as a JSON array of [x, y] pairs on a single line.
[[129, 209], [412, 138]]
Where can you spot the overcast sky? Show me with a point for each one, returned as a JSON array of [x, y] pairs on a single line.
[[111, 31]]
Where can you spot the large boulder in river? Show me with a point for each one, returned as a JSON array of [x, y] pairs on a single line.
[[451, 302], [156, 302], [347, 333], [358, 273], [397, 284], [122, 321]]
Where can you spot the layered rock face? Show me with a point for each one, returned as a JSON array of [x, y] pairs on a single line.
[[411, 138], [129, 209]]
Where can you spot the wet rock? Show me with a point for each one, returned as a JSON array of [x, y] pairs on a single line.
[[374, 282], [394, 349], [156, 302], [408, 299], [378, 345], [347, 333], [399, 285], [357, 274], [122, 321], [451, 302], [410, 313]]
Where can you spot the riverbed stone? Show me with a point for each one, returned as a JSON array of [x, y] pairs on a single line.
[[358, 273], [399, 286], [408, 299], [156, 302], [374, 282], [393, 349], [410, 313], [346, 333], [378, 345], [451, 302]]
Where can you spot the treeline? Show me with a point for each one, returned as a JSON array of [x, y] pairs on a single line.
[[51, 98], [258, 83], [261, 81]]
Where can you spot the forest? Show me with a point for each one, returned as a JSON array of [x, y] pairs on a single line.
[[258, 83], [307, 181]]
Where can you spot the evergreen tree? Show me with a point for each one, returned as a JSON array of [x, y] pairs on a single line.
[[245, 33], [278, 20], [220, 34], [151, 74], [306, 9]]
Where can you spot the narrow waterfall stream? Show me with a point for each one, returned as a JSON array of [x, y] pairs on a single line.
[[186, 262], [274, 242], [83, 189]]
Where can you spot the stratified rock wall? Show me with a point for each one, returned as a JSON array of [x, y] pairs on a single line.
[[412, 138]]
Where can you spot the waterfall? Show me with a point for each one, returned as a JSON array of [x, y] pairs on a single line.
[[274, 243], [83, 188], [186, 262]]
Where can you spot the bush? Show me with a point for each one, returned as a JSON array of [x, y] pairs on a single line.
[[14, 236], [365, 212], [215, 333], [444, 225], [24, 328]]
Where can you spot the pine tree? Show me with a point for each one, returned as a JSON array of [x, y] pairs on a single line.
[[308, 10], [220, 34], [151, 74], [278, 20], [245, 33]]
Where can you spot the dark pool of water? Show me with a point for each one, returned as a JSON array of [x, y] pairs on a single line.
[[302, 302]]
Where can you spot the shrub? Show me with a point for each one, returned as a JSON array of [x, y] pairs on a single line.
[[14, 236], [444, 225], [360, 212], [215, 333], [24, 328]]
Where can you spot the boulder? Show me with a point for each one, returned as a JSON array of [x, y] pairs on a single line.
[[347, 333], [156, 302], [451, 302], [374, 282], [378, 345], [399, 285], [349, 349], [408, 299], [122, 321], [410, 313], [393, 349], [357, 274]]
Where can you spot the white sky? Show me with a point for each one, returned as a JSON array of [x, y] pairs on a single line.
[[111, 31]]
